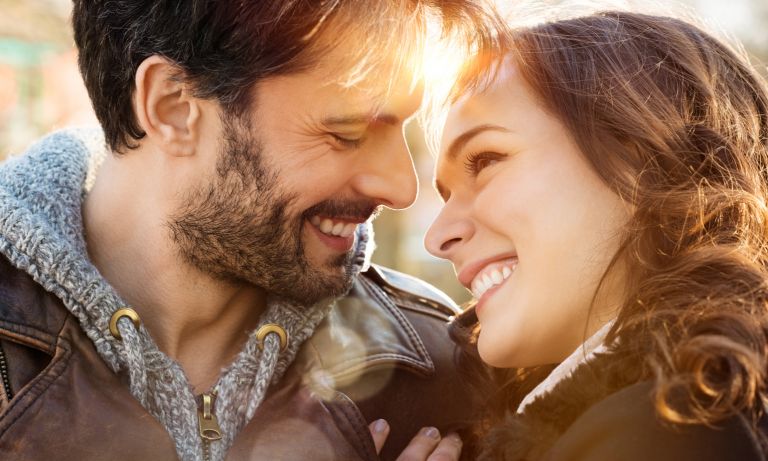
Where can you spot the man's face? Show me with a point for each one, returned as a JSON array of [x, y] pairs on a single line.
[[310, 162]]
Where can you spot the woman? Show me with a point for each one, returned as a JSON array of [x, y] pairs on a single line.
[[605, 191]]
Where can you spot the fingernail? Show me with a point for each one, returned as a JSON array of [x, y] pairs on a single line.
[[454, 437], [431, 432], [380, 426]]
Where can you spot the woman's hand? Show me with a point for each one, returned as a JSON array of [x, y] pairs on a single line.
[[427, 445]]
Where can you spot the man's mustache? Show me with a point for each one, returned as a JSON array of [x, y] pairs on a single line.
[[352, 210]]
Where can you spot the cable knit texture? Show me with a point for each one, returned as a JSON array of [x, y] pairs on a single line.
[[41, 232]]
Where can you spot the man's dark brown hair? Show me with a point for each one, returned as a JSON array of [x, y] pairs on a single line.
[[223, 47]]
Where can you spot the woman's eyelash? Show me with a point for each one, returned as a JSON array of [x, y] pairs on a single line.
[[346, 142], [476, 162]]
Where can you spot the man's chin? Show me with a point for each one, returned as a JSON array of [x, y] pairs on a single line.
[[317, 285], [308, 298]]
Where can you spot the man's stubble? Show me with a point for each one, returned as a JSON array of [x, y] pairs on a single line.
[[237, 227]]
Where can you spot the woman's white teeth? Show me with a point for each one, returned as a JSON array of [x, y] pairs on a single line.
[[490, 278], [335, 228]]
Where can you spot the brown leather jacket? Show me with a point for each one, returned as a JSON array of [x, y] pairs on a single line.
[[383, 353]]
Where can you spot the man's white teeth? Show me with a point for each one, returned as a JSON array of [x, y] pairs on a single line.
[[491, 277], [326, 226], [335, 228]]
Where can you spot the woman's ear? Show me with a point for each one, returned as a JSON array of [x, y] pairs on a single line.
[[165, 107]]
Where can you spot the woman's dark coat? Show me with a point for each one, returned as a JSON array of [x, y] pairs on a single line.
[[602, 412]]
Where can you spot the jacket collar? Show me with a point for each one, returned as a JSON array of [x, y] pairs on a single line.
[[583, 354], [529, 435], [366, 331]]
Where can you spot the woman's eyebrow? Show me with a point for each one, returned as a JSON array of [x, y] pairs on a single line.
[[453, 149]]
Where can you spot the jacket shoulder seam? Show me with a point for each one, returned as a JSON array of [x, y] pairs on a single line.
[[429, 300]]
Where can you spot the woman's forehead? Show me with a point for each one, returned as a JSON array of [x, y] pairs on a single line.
[[496, 103]]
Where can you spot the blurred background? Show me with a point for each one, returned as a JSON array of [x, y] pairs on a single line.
[[41, 90]]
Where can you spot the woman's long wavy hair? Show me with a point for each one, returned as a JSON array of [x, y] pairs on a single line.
[[676, 123]]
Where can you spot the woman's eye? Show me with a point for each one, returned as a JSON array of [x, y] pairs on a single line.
[[346, 142], [475, 163]]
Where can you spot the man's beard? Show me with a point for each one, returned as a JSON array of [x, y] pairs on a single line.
[[237, 227]]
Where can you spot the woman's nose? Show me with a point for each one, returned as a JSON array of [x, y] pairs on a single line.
[[449, 231]]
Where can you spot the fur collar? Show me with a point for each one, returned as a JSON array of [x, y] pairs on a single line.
[[527, 436]]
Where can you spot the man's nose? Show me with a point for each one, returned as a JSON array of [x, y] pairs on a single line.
[[448, 232], [386, 175]]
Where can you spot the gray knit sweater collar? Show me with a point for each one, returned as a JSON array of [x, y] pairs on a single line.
[[41, 232]]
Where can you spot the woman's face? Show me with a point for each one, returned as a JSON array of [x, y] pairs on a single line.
[[528, 225]]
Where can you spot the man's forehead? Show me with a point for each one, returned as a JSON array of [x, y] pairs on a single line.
[[371, 99], [349, 59]]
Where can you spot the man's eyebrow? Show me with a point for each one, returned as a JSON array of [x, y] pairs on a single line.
[[461, 140], [361, 119]]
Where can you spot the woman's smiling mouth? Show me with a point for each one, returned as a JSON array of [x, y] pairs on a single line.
[[489, 273], [492, 275]]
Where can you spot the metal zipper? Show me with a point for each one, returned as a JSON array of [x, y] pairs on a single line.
[[210, 431], [6, 381], [206, 450]]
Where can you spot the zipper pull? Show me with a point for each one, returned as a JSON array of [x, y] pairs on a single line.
[[209, 425]]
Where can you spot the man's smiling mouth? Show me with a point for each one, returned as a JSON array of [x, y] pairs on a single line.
[[334, 227]]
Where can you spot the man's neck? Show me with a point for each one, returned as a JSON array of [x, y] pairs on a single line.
[[197, 320]]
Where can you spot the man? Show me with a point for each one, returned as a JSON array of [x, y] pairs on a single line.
[[200, 288]]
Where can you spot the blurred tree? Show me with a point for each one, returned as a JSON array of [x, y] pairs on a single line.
[[31, 34]]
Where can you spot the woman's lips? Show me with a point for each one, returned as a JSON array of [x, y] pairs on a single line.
[[484, 277], [469, 273], [492, 275]]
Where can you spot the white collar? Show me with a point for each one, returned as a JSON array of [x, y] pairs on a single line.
[[594, 345]]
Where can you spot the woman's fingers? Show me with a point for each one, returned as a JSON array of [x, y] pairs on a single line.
[[429, 446], [449, 449], [421, 446], [379, 431]]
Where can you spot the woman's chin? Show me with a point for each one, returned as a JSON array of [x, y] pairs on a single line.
[[501, 353], [494, 354]]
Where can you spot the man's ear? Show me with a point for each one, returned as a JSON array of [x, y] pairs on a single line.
[[165, 107]]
